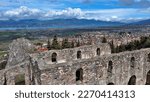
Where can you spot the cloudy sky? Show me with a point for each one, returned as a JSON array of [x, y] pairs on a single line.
[[107, 10]]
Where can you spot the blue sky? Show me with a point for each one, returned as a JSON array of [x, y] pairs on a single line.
[[107, 10]]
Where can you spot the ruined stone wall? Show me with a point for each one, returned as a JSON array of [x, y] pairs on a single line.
[[95, 71], [67, 55], [11, 73], [2, 71], [28, 69], [2, 77], [19, 51]]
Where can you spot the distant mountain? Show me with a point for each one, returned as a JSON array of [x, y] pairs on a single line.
[[142, 22], [56, 23]]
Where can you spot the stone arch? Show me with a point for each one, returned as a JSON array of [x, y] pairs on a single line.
[[79, 55], [79, 74], [148, 57], [54, 57], [98, 51], [20, 79], [132, 63], [111, 83], [3, 65], [132, 80], [148, 78], [110, 68]]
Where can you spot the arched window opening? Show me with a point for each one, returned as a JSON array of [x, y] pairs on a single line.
[[79, 75], [110, 67], [110, 83], [98, 51], [148, 78], [5, 80], [3, 65], [20, 79], [148, 58], [54, 57], [132, 64], [132, 80], [79, 55]]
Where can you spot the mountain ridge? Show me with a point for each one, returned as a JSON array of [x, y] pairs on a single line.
[[60, 23], [142, 22], [65, 23]]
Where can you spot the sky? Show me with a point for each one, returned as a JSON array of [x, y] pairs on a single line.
[[106, 10]]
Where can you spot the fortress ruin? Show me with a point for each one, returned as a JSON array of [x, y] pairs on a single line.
[[85, 65]]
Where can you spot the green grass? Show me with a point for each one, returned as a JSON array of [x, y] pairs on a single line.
[[7, 33], [2, 53], [20, 79]]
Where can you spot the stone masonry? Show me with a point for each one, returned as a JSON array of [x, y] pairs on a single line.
[[85, 65]]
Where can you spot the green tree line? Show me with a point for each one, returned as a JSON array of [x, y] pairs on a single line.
[[65, 44], [144, 42]]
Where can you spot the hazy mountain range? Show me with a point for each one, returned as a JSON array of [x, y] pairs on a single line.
[[63, 23]]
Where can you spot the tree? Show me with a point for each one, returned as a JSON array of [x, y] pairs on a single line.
[[39, 44], [144, 42], [89, 40], [147, 43], [72, 44], [78, 43], [48, 45], [122, 48], [55, 44], [104, 40], [65, 43], [112, 46], [117, 49]]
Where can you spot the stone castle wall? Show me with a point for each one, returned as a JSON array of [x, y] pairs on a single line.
[[95, 71], [67, 55], [91, 69]]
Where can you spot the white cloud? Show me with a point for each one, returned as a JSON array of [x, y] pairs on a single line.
[[27, 13], [67, 13], [110, 14], [21, 13], [106, 14], [147, 10]]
